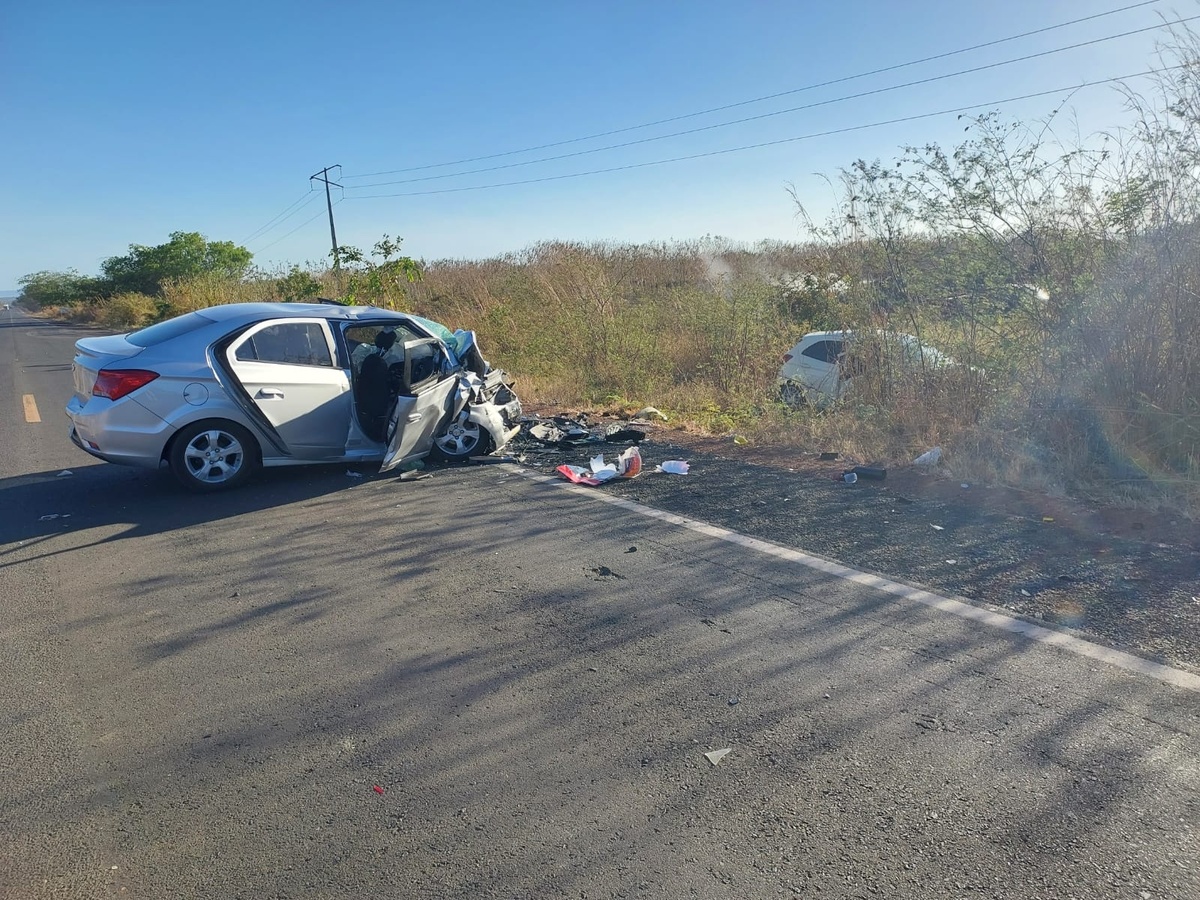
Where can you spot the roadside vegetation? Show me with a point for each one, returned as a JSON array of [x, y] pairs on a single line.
[[1067, 274]]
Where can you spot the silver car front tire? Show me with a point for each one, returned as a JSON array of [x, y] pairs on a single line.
[[461, 439], [792, 395]]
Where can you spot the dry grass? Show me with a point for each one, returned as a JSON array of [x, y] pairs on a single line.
[[699, 330]]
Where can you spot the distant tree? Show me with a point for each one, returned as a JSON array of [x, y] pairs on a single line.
[[186, 255], [297, 286], [378, 281], [44, 289]]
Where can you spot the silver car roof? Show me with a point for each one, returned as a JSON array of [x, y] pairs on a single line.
[[252, 312]]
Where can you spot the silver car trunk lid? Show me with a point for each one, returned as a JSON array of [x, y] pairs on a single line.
[[95, 353]]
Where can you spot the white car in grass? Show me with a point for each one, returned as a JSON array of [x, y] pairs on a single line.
[[821, 368]]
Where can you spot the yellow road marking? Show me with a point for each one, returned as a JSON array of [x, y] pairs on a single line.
[[31, 410]]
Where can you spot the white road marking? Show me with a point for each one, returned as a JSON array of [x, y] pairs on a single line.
[[31, 410], [1080, 647]]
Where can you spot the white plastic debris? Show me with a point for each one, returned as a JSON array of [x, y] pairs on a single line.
[[673, 467], [937, 527], [351, 474], [649, 412], [715, 756], [929, 457], [601, 470], [65, 473]]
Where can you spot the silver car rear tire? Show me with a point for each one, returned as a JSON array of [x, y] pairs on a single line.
[[213, 456]]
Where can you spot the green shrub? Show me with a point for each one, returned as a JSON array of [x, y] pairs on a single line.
[[126, 312]]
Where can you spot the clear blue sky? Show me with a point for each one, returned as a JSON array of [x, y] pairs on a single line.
[[124, 121]]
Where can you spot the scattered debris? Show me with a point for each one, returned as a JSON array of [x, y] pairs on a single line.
[[715, 756], [673, 467], [649, 412], [65, 473], [605, 572], [965, 486], [937, 527], [628, 465], [828, 455], [631, 550], [377, 789], [414, 475], [734, 701], [740, 439], [350, 473], [1047, 518], [929, 457], [951, 562], [50, 516], [850, 477], [619, 434], [874, 473], [560, 432], [578, 475]]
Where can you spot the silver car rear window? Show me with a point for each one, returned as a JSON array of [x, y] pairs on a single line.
[[165, 331]]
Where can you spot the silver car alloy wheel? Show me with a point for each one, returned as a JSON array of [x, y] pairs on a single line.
[[461, 437], [214, 456]]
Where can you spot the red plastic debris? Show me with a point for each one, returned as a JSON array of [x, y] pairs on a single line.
[[377, 789]]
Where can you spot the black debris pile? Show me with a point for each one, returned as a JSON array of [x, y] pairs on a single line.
[[565, 433]]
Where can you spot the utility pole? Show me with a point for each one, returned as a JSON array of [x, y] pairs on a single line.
[[323, 176]]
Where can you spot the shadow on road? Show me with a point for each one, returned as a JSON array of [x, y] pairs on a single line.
[[114, 503], [539, 723]]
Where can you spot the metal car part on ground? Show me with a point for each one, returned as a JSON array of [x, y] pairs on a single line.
[[219, 392]]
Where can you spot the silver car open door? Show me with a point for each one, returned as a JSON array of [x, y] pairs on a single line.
[[426, 395], [289, 372]]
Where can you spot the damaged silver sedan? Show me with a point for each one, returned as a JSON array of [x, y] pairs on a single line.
[[217, 393]]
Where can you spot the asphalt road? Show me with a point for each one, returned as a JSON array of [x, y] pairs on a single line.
[[484, 685]]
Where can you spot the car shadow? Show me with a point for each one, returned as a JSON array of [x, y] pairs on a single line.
[[44, 507]]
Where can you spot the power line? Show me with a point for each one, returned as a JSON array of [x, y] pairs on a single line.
[[294, 230], [803, 137], [287, 213], [775, 96], [742, 121]]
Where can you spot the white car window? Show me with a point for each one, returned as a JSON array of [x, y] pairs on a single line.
[[824, 351]]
